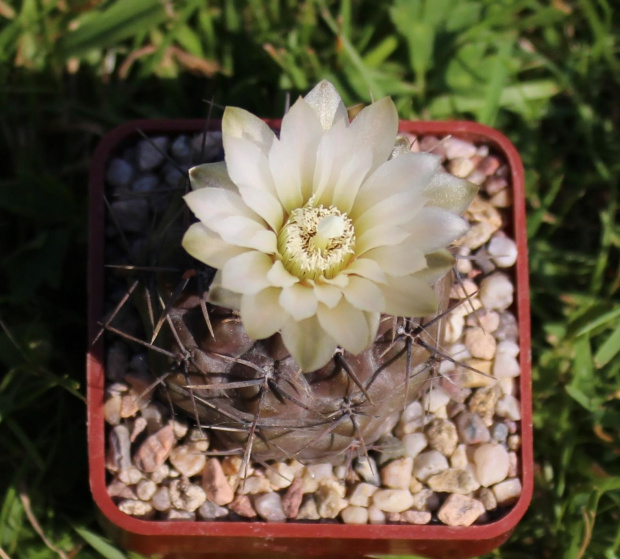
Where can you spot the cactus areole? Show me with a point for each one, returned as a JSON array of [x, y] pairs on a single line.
[[329, 244]]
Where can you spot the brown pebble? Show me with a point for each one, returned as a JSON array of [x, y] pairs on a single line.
[[154, 450], [488, 165], [292, 498], [460, 510], [215, 483], [242, 505]]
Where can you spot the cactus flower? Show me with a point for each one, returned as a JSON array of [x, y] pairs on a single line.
[[317, 232]]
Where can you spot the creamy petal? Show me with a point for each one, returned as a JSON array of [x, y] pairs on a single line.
[[212, 205], [407, 173], [327, 104], [366, 268], [345, 324], [364, 294], [261, 313], [335, 149], [329, 295], [211, 174], [438, 265], [409, 296], [265, 205], [299, 301], [239, 123], [395, 210], [206, 246], [381, 235], [376, 126], [248, 166], [450, 193], [399, 260], [350, 179], [222, 297], [373, 319], [278, 276], [244, 232], [247, 273], [435, 228], [308, 343]]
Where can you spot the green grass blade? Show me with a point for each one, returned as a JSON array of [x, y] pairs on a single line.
[[609, 349], [106, 549]]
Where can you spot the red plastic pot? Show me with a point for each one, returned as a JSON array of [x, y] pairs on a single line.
[[258, 539]]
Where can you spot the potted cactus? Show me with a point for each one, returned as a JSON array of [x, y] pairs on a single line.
[[314, 349]]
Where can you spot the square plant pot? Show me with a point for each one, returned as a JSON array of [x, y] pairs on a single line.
[[194, 539]]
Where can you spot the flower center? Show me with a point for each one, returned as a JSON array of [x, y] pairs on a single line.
[[316, 241]]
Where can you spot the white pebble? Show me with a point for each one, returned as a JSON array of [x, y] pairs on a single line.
[[428, 464], [434, 399], [354, 515], [507, 491], [496, 291], [161, 499], [455, 147], [506, 366], [414, 444], [508, 347], [367, 470], [503, 251], [491, 464], [360, 497], [508, 406], [146, 489], [280, 475], [135, 508], [269, 507], [375, 515], [392, 500], [397, 473]]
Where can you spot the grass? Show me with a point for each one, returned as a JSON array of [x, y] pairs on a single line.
[[544, 73]]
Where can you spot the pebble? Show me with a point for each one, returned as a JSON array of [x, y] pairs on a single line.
[[496, 291], [507, 492], [139, 425], [461, 167], [215, 483], [362, 493], [425, 500], [414, 444], [188, 460], [146, 489], [476, 177], [485, 220], [354, 515], [453, 481], [330, 499], [242, 505], [491, 463], [366, 467], [482, 402], [481, 377], [499, 432], [132, 216], [182, 150], [459, 460], [428, 464], [458, 394], [175, 514], [508, 328], [487, 498], [397, 474], [153, 416], [269, 507], [432, 144], [135, 507], [376, 516], [488, 165], [415, 517], [185, 495], [455, 148], [514, 442], [292, 498], [161, 499], [160, 474], [415, 485], [503, 199], [154, 450], [453, 327], [506, 366], [494, 185], [119, 489], [119, 173], [179, 427], [508, 406], [253, 485], [112, 409], [130, 476], [211, 511], [503, 251], [280, 475], [460, 510], [145, 184], [480, 344], [442, 436], [151, 152], [392, 500], [307, 510], [513, 464], [472, 429], [434, 399]]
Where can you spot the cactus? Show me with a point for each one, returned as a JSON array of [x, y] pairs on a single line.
[[327, 390]]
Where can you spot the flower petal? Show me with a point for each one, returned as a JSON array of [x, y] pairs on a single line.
[[395, 210], [308, 343], [450, 193], [409, 296], [299, 301], [329, 295], [211, 174], [206, 246], [327, 104], [247, 273], [245, 232], [261, 314], [264, 204], [376, 126], [381, 235], [398, 260], [222, 297], [364, 294], [407, 173], [239, 123], [366, 268], [278, 276], [435, 228], [438, 265], [345, 324], [373, 319]]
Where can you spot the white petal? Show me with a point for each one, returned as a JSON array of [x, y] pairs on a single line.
[[373, 319], [265, 205], [328, 105], [248, 166], [211, 174], [335, 149], [407, 173], [329, 295], [346, 324], [450, 193], [247, 273], [341, 280], [261, 313], [278, 276], [222, 297], [299, 301], [376, 126], [438, 265], [434, 228], [364, 294], [409, 296], [244, 232], [286, 172], [366, 268], [239, 123], [308, 343], [212, 205], [350, 179], [381, 235], [395, 210], [206, 246], [398, 260]]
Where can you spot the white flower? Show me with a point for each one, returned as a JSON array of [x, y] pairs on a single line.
[[317, 232]]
